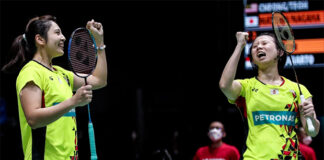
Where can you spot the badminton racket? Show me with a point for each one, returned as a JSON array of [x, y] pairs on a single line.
[[286, 39], [82, 54]]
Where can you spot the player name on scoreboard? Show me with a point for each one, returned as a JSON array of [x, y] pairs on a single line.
[[295, 18]]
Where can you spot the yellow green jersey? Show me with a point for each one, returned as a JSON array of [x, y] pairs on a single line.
[[272, 117], [57, 140]]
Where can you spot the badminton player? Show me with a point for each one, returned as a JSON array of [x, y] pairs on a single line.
[[269, 101], [45, 91]]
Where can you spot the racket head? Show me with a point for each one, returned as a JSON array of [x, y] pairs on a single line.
[[82, 52], [283, 32]]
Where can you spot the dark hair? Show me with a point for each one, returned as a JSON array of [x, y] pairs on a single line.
[[282, 59], [23, 47]]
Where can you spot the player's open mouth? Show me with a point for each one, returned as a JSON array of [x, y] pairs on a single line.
[[261, 54]]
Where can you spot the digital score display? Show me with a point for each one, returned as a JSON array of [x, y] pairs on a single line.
[[306, 19]]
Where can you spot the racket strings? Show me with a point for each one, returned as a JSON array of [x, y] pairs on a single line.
[[82, 52], [283, 32]]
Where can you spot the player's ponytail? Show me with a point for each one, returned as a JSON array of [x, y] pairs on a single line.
[[24, 47], [17, 55]]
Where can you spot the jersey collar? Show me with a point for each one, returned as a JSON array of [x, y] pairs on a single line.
[[282, 83]]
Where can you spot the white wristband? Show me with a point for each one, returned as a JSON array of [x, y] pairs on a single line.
[[101, 47]]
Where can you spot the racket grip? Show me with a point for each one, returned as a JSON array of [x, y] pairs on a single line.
[[309, 122], [92, 142]]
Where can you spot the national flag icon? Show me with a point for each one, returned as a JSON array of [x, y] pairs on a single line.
[[251, 21], [251, 8]]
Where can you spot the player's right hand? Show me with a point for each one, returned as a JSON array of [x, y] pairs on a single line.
[[83, 96], [242, 37]]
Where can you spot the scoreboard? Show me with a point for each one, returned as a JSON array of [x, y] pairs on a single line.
[[306, 18]]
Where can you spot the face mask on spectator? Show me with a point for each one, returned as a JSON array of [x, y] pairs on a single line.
[[215, 134]]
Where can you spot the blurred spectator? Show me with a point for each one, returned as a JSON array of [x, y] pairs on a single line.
[[217, 149]]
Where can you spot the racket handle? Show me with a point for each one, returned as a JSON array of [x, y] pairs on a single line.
[[92, 142], [309, 122]]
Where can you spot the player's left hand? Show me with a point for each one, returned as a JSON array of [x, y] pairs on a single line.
[[96, 30]]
